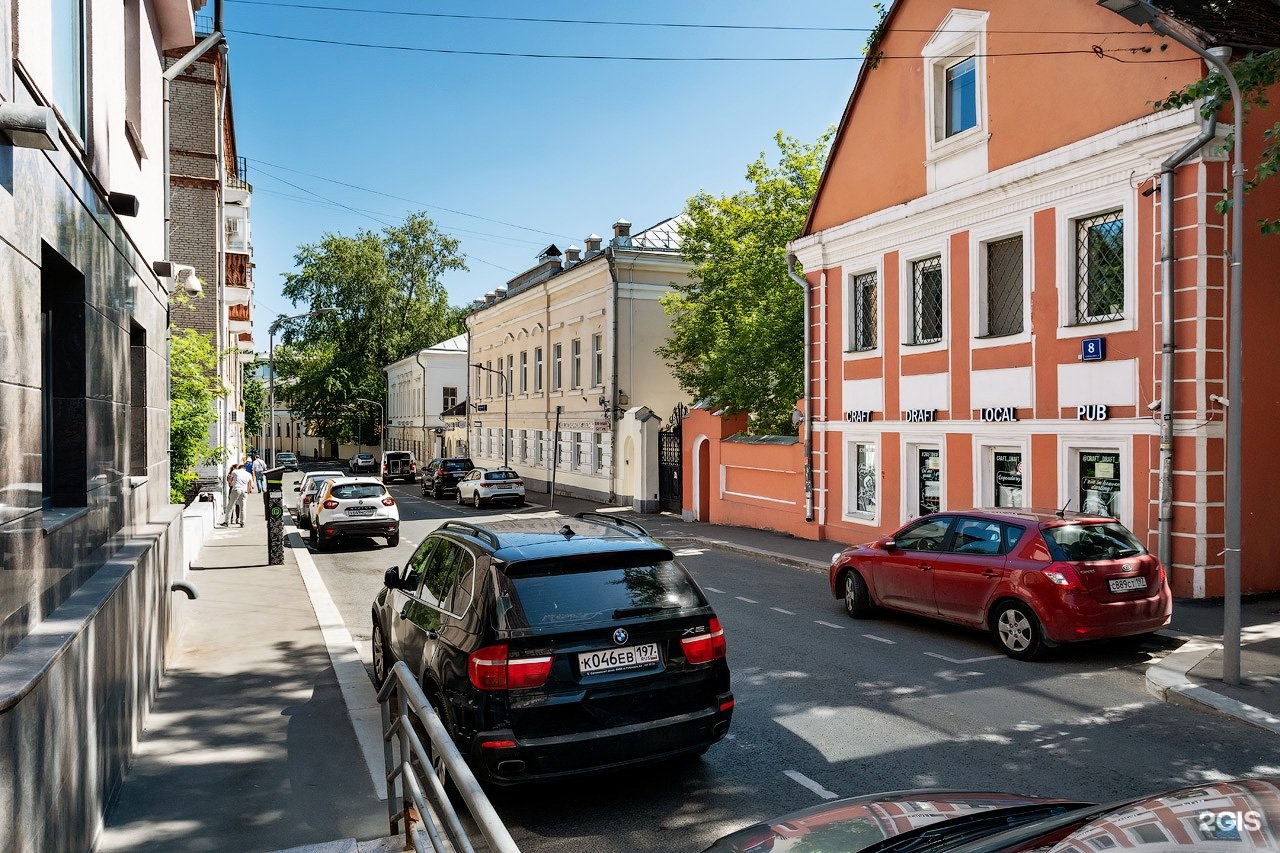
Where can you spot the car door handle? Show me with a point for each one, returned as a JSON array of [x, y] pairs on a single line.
[[990, 574], [925, 567], [433, 635]]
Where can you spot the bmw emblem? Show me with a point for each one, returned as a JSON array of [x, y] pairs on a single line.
[[620, 636]]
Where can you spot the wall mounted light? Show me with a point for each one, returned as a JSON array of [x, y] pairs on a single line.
[[29, 126]]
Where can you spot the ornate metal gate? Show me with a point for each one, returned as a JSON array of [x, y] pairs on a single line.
[[671, 461]]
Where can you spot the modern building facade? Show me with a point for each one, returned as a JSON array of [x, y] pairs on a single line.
[[421, 389], [987, 292], [89, 543], [565, 384], [210, 206]]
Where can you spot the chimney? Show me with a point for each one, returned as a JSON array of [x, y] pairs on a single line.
[[621, 228], [489, 297], [593, 245], [571, 255], [499, 293]]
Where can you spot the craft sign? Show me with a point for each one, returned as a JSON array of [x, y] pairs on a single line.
[[919, 416], [858, 416], [1005, 414]]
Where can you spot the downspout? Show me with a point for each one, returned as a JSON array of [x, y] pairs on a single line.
[[417, 356], [808, 392], [1167, 348], [612, 398]]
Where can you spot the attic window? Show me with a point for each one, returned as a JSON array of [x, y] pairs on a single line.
[[954, 97]]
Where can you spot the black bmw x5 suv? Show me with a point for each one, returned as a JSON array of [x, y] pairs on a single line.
[[551, 648]]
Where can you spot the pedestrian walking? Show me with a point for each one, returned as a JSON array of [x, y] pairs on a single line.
[[239, 483], [260, 473]]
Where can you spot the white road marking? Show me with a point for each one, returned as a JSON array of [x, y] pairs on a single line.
[[348, 665], [963, 660], [827, 624], [804, 780], [713, 589], [881, 639], [780, 610], [747, 600]]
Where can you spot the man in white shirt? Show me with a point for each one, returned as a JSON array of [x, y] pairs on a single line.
[[241, 483], [260, 473]]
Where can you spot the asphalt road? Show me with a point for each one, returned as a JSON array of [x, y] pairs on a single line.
[[828, 706]]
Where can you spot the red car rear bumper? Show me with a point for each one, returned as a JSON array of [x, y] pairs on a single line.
[[1077, 616]]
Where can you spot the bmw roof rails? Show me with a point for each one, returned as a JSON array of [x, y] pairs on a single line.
[[617, 521], [467, 527]]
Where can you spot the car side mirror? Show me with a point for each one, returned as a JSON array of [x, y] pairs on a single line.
[[888, 544], [391, 578], [297, 488]]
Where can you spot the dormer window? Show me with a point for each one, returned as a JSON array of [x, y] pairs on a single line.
[[962, 96], [955, 100]]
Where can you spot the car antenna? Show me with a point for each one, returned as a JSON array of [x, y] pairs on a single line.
[[1062, 513], [566, 531]]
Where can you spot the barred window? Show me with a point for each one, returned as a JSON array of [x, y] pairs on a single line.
[[864, 321], [926, 301], [1100, 268], [1004, 287]]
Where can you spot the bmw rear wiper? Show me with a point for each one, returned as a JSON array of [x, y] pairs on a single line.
[[623, 612]]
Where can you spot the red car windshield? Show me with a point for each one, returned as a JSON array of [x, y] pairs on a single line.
[[1087, 542]]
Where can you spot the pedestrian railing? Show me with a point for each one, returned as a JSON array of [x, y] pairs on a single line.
[[417, 797]]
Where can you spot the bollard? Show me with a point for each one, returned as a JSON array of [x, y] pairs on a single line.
[[273, 504]]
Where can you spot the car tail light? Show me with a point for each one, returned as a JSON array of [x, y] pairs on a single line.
[[384, 467], [705, 648], [306, 499], [412, 467], [497, 744], [1063, 576], [388, 501], [490, 669], [330, 504]]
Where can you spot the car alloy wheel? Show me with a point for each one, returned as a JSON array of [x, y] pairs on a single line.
[[475, 499], [381, 656], [857, 598], [437, 492], [1018, 631]]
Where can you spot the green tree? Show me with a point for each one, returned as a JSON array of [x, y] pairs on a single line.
[[194, 389], [1255, 74], [390, 303], [737, 326], [254, 400]]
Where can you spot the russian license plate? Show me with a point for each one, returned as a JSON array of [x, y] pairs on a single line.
[[1127, 584], [359, 511], [616, 660]]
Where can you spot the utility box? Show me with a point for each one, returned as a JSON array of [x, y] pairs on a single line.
[[273, 506]]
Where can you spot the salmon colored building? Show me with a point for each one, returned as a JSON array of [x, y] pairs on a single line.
[[986, 291]]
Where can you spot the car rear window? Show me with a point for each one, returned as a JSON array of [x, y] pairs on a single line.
[[351, 491], [457, 465], [501, 475], [398, 454], [1085, 542], [552, 594]]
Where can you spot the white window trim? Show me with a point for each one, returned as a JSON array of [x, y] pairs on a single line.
[[1019, 225], [984, 449], [1067, 214], [963, 33], [911, 476], [851, 440], [877, 268], [906, 299], [1069, 448]]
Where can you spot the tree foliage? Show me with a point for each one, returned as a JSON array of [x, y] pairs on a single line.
[[253, 397], [1255, 74], [194, 388], [389, 302], [737, 326]]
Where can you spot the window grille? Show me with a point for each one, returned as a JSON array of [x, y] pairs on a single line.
[[1004, 287], [864, 312], [926, 301], [1100, 268]]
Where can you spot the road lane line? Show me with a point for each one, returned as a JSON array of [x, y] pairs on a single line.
[[747, 600], [881, 639], [804, 780], [780, 610], [963, 660], [713, 589], [827, 624]]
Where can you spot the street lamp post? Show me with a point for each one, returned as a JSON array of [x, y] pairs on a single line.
[[381, 417], [506, 409], [271, 371], [1143, 13]]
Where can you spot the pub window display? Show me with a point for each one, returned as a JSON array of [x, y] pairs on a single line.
[[1008, 478], [929, 467], [1100, 483]]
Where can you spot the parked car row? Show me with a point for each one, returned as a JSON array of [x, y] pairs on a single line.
[[332, 506]]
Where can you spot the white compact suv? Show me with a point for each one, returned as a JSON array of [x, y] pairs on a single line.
[[484, 485], [354, 506]]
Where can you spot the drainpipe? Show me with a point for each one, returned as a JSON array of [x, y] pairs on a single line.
[[1167, 349], [808, 394], [417, 356], [612, 400]]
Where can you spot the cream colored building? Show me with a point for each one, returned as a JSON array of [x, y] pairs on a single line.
[[565, 385], [416, 418]]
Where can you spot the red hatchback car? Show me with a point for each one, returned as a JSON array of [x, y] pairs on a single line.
[[1034, 578]]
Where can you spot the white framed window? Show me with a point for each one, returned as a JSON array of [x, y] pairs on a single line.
[[537, 447], [580, 450], [510, 376], [488, 378], [1096, 247], [557, 366], [518, 442], [863, 313], [575, 363], [537, 370], [524, 371], [862, 480], [1099, 268], [924, 485], [955, 99], [597, 360], [449, 396], [597, 451], [926, 302], [1097, 476], [1003, 288], [1003, 471], [960, 96]]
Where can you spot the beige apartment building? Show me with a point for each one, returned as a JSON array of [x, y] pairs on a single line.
[[565, 384]]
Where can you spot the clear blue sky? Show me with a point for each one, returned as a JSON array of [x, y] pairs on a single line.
[[535, 150]]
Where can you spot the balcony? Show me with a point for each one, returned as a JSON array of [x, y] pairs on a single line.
[[239, 278], [239, 318]]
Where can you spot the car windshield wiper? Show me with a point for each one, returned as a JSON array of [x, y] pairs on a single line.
[[955, 832], [623, 612]]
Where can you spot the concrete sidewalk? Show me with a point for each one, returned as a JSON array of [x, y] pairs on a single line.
[[249, 746]]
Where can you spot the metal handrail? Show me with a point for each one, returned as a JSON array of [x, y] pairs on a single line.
[[435, 811]]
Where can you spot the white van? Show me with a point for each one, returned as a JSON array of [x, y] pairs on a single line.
[[398, 465]]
